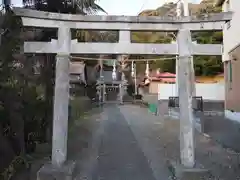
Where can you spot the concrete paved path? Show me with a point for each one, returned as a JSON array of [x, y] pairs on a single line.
[[114, 151], [120, 156], [128, 143]]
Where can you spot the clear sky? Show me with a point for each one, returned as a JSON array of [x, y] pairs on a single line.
[[132, 7], [125, 7]]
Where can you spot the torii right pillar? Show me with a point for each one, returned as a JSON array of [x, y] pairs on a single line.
[[188, 169], [185, 98]]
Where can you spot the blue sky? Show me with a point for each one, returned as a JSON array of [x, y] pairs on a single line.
[[125, 7]]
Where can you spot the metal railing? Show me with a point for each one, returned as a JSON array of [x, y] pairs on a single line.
[[173, 102]]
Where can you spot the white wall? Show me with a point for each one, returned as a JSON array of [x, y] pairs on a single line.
[[214, 91], [166, 90], [231, 37]]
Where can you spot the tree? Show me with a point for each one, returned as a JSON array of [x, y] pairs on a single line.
[[24, 113], [208, 65], [61, 6], [14, 91], [65, 6], [204, 65]]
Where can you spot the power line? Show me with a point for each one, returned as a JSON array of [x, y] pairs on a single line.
[[142, 7]]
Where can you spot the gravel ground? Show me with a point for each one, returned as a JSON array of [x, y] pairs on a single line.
[[129, 143], [223, 130], [159, 140]]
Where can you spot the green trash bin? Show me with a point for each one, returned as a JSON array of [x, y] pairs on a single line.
[[152, 108]]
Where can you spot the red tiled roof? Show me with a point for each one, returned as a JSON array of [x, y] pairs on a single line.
[[164, 77]]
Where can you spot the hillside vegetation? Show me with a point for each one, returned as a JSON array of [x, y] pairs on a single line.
[[204, 65]]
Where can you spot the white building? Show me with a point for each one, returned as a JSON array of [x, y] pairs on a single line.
[[231, 59]]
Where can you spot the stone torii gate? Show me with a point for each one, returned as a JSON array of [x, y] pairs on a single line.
[[64, 46]]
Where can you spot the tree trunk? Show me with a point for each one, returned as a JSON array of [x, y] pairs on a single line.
[[17, 127], [6, 151], [49, 69]]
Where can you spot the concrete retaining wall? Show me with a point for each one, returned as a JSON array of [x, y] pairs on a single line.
[[214, 91]]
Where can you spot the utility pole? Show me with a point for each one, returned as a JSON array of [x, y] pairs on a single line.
[[186, 90], [185, 8], [179, 14], [186, 13]]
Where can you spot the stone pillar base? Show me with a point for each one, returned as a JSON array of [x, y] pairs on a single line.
[[178, 172], [49, 172]]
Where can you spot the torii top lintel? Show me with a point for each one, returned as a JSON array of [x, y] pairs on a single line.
[[54, 20]]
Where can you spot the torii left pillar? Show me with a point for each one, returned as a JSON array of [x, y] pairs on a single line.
[[59, 168]]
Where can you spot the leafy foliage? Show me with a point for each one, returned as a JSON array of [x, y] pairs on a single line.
[[208, 65], [26, 97], [21, 111], [204, 65], [65, 6]]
